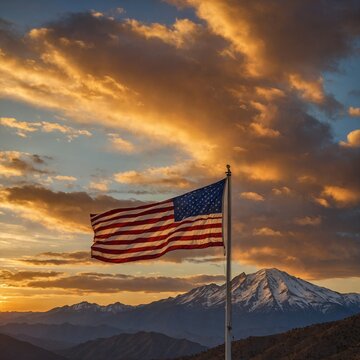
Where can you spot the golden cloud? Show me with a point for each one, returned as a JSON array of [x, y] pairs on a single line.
[[353, 139], [354, 111], [24, 127], [249, 195], [342, 196], [66, 178], [308, 220], [16, 163], [180, 34], [309, 90], [58, 211], [262, 131], [58, 259], [284, 190], [167, 176], [102, 185], [121, 144], [266, 231]]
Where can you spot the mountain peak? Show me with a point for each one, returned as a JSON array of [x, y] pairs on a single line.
[[267, 290]]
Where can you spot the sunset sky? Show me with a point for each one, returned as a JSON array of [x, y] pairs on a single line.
[[113, 103]]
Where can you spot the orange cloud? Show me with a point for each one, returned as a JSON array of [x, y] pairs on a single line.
[[321, 201], [24, 127], [167, 176], [58, 211], [311, 90], [102, 185], [281, 191], [252, 196], [266, 231], [65, 178], [179, 34], [353, 139], [308, 220], [261, 172], [342, 196], [354, 111], [16, 163], [121, 144], [262, 131]]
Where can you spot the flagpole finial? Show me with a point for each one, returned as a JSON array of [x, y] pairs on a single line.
[[228, 172]]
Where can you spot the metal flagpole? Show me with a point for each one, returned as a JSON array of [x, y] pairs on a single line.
[[228, 322]]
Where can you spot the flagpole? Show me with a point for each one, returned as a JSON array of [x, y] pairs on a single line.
[[228, 322]]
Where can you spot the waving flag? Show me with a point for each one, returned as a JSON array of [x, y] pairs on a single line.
[[190, 221]]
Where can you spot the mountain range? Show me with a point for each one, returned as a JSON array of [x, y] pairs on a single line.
[[266, 302], [11, 349], [339, 340], [142, 345]]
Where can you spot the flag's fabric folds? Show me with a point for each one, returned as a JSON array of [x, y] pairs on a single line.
[[190, 221]]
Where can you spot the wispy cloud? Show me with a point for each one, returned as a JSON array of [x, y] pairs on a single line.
[[24, 127], [250, 195], [55, 258], [120, 144]]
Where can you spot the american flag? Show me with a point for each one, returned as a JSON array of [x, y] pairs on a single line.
[[190, 221]]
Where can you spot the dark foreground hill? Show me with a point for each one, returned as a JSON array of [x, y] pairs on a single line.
[[57, 336], [338, 340], [13, 349], [139, 346]]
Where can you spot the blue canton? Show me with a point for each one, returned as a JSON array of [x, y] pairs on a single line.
[[207, 200]]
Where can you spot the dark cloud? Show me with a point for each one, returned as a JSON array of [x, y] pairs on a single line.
[[111, 283], [69, 211], [15, 163]]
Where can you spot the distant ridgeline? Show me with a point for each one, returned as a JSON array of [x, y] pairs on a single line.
[[267, 302]]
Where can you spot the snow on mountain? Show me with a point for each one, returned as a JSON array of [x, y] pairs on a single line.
[[85, 306], [199, 296], [269, 290]]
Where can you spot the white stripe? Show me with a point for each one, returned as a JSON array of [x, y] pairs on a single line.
[[209, 220], [158, 251], [158, 242], [130, 212], [132, 227], [138, 218]]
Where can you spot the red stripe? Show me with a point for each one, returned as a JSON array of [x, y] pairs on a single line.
[[156, 247], [153, 229], [115, 211], [160, 237], [147, 212], [154, 256], [135, 223]]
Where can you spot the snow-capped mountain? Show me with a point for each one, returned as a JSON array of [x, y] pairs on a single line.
[[270, 290]]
